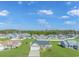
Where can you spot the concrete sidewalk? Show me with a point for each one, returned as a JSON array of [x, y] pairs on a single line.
[[35, 53]]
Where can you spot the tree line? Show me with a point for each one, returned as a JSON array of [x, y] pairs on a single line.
[[45, 32]]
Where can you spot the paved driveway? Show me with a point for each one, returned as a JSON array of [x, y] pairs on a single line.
[[34, 51]]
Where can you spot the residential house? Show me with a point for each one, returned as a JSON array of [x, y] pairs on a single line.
[[9, 44], [70, 44], [43, 44]]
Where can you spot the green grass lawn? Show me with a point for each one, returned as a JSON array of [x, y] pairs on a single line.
[[77, 39], [4, 39], [21, 51], [58, 51]]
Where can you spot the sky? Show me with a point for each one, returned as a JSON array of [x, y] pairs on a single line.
[[37, 15]]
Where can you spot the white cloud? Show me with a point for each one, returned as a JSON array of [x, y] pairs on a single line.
[[74, 7], [27, 2], [5, 23], [46, 12], [20, 2], [74, 12], [68, 3], [4, 13], [70, 22], [64, 17], [44, 22], [2, 23]]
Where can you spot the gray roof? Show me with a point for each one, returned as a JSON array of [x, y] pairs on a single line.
[[42, 42], [71, 42]]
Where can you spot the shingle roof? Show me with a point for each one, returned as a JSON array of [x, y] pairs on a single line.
[[42, 42]]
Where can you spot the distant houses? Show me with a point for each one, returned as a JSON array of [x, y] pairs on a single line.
[[16, 35], [14, 40], [44, 36], [40, 40], [36, 36], [3, 36]]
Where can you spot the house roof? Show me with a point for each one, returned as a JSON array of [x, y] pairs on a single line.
[[42, 42], [9, 42], [71, 42]]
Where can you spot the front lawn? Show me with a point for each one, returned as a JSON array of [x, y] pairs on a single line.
[[77, 39], [58, 51]]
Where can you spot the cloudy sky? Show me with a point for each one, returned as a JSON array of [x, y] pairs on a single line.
[[30, 15]]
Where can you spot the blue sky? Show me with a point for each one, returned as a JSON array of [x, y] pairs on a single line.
[[31, 15]]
